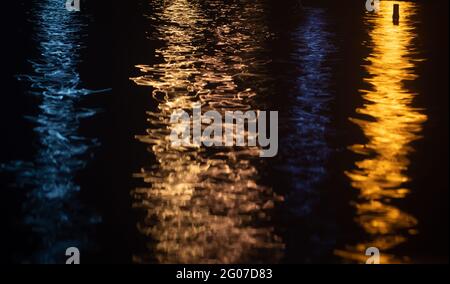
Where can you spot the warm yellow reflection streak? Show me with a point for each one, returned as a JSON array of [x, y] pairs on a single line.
[[391, 125], [201, 206]]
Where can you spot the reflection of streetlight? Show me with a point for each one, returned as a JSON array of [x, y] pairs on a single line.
[[390, 123], [203, 206]]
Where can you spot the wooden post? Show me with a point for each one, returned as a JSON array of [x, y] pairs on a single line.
[[396, 14]]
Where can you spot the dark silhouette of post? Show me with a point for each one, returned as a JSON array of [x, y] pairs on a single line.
[[396, 14]]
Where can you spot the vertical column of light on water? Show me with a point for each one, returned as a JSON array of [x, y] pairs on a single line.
[[390, 123], [51, 206], [201, 205], [306, 123]]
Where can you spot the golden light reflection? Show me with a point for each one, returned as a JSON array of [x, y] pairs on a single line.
[[203, 205], [391, 123]]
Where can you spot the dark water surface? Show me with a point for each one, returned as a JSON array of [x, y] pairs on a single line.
[[86, 159]]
